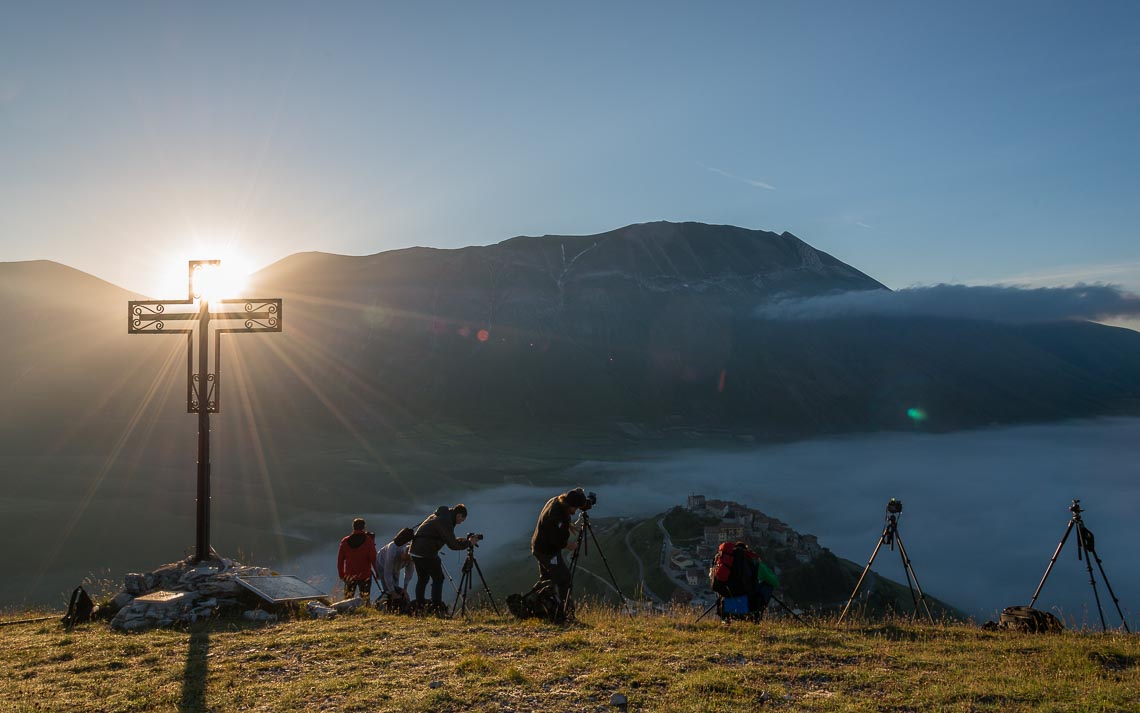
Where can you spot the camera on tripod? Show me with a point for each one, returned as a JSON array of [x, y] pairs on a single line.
[[591, 500], [474, 538], [1076, 508], [894, 507]]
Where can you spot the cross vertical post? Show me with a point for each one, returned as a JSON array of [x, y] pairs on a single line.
[[203, 394], [202, 528]]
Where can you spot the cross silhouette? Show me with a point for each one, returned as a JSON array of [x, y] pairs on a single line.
[[202, 385]]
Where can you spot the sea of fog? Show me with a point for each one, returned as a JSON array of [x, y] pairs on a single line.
[[983, 510]]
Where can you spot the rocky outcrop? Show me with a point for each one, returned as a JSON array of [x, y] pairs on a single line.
[[182, 593]]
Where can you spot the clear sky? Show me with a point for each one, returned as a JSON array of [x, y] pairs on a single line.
[[920, 142]]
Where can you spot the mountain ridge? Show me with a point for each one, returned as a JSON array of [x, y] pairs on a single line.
[[414, 372]]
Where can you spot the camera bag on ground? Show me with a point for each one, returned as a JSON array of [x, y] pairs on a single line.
[[1029, 620], [540, 602], [81, 609], [733, 572]]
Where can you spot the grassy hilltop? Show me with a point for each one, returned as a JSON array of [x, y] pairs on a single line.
[[370, 661]]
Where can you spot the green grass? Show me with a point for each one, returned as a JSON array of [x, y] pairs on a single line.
[[370, 661]]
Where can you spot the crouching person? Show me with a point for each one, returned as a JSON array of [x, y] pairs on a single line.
[[742, 581], [437, 531], [766, 583], [356, 561], [392, 561], [552, 535]]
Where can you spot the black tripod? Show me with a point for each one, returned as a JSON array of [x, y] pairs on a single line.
[[1087, 548], [889, 537], [567, 607], [464, 587]]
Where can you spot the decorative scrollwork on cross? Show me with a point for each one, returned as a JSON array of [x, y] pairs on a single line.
[[227, 316], [147, 315]]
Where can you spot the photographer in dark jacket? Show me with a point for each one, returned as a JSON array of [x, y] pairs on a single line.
[[431, 535], [552, 535]]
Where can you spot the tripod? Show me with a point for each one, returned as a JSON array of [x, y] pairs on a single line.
[[464, 587], [567, 607], [889, 537], [1087, 547]]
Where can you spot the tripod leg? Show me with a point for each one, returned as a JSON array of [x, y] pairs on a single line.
[[461, 593], [711, 607], [788, 609], [484, 581], [1088, 564], [862, 576], [910, 573], [1111, 593], [448, 574], [564, 605], [1052, 562], [609, 571]]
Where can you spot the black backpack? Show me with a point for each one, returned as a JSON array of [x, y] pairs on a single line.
[[540, 602], [1029, 620], [80, 609]]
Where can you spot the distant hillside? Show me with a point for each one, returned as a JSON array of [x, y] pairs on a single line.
[[653, 324], [812, 579]]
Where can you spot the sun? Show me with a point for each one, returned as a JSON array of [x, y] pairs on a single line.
[[216, 282]]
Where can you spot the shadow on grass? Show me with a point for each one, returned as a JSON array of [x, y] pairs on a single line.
[[195, 673]]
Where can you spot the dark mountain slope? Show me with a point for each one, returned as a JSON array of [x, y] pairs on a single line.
[[654, 323]]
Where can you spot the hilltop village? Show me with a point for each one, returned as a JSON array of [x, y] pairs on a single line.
[[696, 531]]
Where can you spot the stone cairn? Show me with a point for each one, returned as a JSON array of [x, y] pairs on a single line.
[[181, 593]]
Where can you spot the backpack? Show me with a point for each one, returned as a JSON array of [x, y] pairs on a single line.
[[404, 536], [1029, 620], [733, 572], [81, 609], [540, 602]]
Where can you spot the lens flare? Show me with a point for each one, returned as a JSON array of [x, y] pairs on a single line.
[[916, 414]]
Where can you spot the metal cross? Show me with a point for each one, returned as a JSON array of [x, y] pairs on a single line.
[[202, 385]]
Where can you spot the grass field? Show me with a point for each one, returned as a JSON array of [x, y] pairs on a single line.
[[369, 661]]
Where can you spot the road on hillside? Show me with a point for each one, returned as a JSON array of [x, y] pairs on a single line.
[[640, 566]]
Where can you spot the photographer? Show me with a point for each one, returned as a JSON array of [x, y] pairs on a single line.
[[356, 561], [390, 561], [552, 535], [431, 535]]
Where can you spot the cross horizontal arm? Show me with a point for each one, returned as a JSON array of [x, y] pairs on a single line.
[[202, 384], [151, 317]]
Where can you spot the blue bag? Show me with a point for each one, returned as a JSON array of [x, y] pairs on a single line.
[[735, 605]]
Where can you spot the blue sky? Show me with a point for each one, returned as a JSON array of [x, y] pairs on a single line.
[[920, 142]]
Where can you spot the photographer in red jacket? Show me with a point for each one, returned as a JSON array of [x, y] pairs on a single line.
[[356, 561]]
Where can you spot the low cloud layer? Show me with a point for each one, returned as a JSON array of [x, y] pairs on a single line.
[[996, 303], [983, 510]]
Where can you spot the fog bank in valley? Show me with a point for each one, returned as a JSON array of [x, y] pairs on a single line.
[[983, 510]]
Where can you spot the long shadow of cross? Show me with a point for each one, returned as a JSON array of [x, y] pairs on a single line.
[[195, 674]]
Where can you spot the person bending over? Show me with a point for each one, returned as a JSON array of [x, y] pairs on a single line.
[[552, 535], [431, 536], [356, 561], [390, 561]]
